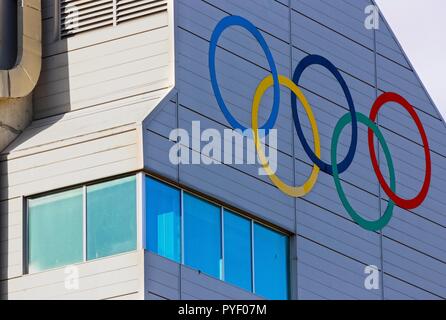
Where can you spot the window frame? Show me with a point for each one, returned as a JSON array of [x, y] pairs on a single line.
[[88, 225], [221, 261], [145, 213], [26, 227], [83, 186], [251, 244], [287, 257]]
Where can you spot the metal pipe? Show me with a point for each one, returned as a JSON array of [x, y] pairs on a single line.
[[8, 34]]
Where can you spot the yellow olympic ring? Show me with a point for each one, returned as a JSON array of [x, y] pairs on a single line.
[[298, 191]]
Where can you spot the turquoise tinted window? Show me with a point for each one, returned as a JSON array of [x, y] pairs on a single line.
[[237, 257], [163, 219], [111, 218], [271, 263], [55, 230], [202, 236]]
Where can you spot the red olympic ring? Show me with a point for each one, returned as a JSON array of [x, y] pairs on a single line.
[[401, 202]]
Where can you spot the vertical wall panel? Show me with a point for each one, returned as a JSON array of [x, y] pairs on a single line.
[[413, 255]]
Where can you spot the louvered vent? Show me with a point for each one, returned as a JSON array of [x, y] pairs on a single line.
[[77, 16], [131, 9]]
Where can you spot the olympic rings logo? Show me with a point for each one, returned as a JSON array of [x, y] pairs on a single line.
[[334, 168]]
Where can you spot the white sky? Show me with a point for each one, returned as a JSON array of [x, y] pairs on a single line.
[[420, 26]]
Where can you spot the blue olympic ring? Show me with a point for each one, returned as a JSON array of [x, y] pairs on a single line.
[[325, 167], [242, 22]]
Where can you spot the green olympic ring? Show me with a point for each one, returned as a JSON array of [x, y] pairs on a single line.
[[384, 219]]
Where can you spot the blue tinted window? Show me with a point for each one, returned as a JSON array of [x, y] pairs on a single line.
[[270, 263], [163, 219], [55, 230], [237, 240], [202, 239], [111, 218]]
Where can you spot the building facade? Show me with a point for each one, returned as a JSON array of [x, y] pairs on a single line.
[[117, 186]]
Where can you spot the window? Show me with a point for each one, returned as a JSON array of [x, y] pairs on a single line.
[[216, 241], [271, 263], [58, 232], [111, 218], [163, 218], [55, 230], [202, 236], [237, 250]]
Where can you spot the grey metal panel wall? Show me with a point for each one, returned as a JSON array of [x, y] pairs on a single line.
[[331, 249], [198, 286], [387, 47], [157, 128], [343, 17], [413, 243]]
